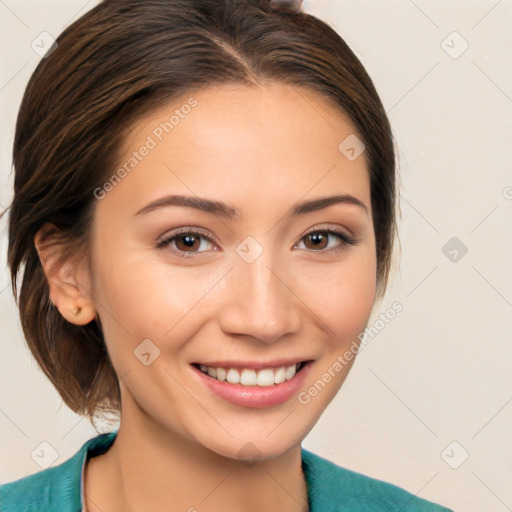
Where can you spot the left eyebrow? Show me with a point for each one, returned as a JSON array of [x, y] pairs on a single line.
[[324, 202], [230, 211]]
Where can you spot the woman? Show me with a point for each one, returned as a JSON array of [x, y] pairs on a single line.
[[205, 212]]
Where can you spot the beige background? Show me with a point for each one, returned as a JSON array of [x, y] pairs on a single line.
[[439, 372]]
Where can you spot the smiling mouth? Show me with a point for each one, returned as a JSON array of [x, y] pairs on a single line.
[[263, 377]]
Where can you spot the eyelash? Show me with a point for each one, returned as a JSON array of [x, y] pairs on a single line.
[[345, 239]]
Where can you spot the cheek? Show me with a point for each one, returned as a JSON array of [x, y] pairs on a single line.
[[343, 296], [141, 297], [356, 296]]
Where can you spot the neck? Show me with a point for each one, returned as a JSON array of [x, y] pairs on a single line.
[[150, 469]]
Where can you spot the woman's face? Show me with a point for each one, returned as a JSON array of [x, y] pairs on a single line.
[[253, 289]]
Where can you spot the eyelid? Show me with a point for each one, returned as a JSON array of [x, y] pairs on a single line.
[[164, 239], [347, 240], [329, 227]]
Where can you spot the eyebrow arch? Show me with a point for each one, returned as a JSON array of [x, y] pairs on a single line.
[[229, 211]]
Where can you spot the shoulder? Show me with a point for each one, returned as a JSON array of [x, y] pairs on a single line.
[[333, 488], [55, 489]]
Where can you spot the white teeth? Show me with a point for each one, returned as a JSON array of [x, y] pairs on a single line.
[[280, 375], [221, 374], [233, 377], [265, 377], [248, 378], [290, 372], [251, 377]]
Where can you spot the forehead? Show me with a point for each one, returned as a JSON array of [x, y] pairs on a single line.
[[279, 111], [276, 139]]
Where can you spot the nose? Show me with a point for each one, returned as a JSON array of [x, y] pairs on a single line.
[[260, 302]]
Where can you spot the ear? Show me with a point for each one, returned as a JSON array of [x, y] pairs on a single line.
[[69, 281]]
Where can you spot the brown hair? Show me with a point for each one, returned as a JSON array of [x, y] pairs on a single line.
[[117, 62]]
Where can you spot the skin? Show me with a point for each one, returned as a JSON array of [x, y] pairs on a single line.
[[261, 149]]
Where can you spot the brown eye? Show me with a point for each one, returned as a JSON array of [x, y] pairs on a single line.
[[318, 239], [186, 244]]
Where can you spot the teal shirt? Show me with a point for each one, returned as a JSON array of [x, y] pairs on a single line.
[[331, 488]]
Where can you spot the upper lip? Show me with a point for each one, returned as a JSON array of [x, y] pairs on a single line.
[[276, 363]]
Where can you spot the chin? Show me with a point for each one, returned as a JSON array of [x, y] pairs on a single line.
[[251, 450]]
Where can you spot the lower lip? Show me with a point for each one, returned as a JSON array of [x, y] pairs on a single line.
[[257, 397]]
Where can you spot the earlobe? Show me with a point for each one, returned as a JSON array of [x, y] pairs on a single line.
[[81, 315], [68, 281]]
